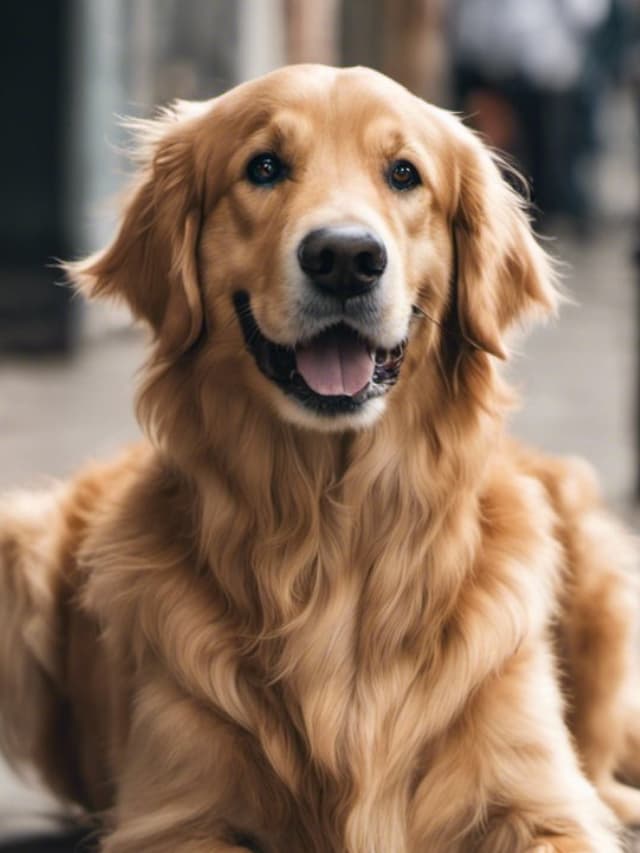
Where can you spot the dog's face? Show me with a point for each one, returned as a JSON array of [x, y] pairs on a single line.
[[330, 224], [301, 231]]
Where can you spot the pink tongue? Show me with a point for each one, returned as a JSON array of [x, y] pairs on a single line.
[[335, 364]]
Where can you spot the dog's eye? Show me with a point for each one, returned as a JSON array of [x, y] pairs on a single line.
[[265, 168], [403, 175]]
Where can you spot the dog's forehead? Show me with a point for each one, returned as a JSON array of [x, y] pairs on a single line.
[[316, 110], [327, 84], [315, 94]]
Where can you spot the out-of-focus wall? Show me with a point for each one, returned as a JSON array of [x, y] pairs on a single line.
[[405, 39]]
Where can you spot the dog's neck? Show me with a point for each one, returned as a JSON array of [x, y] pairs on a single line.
[[288, 515]]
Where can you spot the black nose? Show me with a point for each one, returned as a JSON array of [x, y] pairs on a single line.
[[344, 261]]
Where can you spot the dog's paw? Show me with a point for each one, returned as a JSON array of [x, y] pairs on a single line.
[[623, 800], [566, 844]]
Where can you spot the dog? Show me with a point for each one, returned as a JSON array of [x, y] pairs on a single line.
[[328, 606]]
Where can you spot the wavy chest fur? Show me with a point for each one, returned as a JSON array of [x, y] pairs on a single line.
[[337, 591], [352, 593], [340, 615]]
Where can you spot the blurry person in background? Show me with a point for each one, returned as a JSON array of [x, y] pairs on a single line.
[[530, 76]]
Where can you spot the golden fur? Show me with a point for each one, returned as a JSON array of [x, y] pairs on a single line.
[[257, 632]]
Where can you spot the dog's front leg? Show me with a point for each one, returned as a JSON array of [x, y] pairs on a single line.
[[152, 833], [509, 763], [172, 844], [559, 844], [186, 781], [508, 836]]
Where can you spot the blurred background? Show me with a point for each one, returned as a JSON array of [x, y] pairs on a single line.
[[555, 83]]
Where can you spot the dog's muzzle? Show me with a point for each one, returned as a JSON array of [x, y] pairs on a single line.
[[336, 366], [334, 372]]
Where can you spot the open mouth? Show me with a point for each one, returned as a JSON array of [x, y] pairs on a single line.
[[335, 372]]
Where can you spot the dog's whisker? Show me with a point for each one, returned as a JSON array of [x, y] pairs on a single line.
[[420, 314]]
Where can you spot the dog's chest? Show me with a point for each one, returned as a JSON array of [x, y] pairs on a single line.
[[349, 698]]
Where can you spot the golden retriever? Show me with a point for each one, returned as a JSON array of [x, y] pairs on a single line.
[[328, 607]]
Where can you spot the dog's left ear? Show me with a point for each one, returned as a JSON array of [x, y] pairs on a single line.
[[152, 262], [503, 274]]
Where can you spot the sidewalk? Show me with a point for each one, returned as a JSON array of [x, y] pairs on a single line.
[[577, 374]]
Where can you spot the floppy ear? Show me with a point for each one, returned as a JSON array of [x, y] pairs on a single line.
[[152, 262], [503, 274]]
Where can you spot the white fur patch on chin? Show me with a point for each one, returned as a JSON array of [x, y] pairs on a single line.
[[296, 413]]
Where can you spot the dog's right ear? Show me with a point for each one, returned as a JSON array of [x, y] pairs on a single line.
[[152, 262]]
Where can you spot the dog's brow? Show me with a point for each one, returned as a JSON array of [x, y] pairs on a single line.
[[289, 128], [386, 137]]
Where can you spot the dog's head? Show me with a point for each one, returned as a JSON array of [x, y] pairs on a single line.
[[317, 235]]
